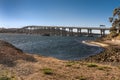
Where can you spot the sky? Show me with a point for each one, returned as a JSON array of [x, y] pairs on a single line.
[[79, 13]]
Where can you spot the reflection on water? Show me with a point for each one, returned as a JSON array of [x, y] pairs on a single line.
[[67, 48]]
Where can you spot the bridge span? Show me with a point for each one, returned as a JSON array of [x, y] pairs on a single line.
[[63, 31]]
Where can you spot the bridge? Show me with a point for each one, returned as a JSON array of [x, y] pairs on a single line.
[[63, 31]]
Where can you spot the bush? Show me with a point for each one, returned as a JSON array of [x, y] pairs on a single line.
[[81, 78], [104, 68], [113, 29], [5, 78], [113, 34], [118, 37], [70, 63], [92, 65], [48, 71]]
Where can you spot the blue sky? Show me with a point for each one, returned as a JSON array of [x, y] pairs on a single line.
[[19, 13]]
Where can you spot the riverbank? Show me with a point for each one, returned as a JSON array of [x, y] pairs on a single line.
[[17, 65], [95, 43], [110, 55]]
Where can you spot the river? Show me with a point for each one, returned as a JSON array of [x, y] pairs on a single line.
[[65, 48]]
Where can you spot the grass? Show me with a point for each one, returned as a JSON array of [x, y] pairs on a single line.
[[92, 65], [104, 68], [99, 67], [48, 71], [6, 75], [81, 78], [5, 78], [118, 67], [70, 63]]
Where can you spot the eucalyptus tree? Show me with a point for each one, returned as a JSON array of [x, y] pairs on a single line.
[[115, 20]]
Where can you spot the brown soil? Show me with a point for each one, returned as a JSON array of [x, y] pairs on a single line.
[[9, 54], [35, 67]]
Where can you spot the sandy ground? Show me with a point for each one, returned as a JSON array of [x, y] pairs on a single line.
[[105, 43], [94, 43]]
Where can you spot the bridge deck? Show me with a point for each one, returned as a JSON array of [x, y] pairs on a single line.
[[93, 28]]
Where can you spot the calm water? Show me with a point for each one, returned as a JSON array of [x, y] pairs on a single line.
[[67, 48]]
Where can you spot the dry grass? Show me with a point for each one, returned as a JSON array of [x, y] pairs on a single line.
[[53, 69]]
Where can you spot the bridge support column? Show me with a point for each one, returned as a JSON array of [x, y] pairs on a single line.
[[27, 31], [44, 30], [89, 32], [63, 32], [70, 31], [53, 31], [102, 32], [49, 31], [36, 30], [78, 31], [57, 31]]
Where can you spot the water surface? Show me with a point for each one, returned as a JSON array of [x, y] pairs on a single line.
[[66, 48]]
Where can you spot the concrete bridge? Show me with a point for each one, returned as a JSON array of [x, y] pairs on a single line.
[[63, 31]]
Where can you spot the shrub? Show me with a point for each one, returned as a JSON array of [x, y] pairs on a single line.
[[113, 34], [92, 65], [101, 68], [5, 78], [104, 68], [118, 37], [81, 78], [112, 29], [68, 64], [48, 71]]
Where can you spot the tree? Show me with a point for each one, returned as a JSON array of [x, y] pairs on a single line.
[[115, 20]]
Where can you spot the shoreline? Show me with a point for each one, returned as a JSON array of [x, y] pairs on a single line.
[[110, 55], [95, 43]]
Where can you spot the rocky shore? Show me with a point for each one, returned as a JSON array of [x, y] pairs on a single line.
[[17, 65], [110, 55]]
